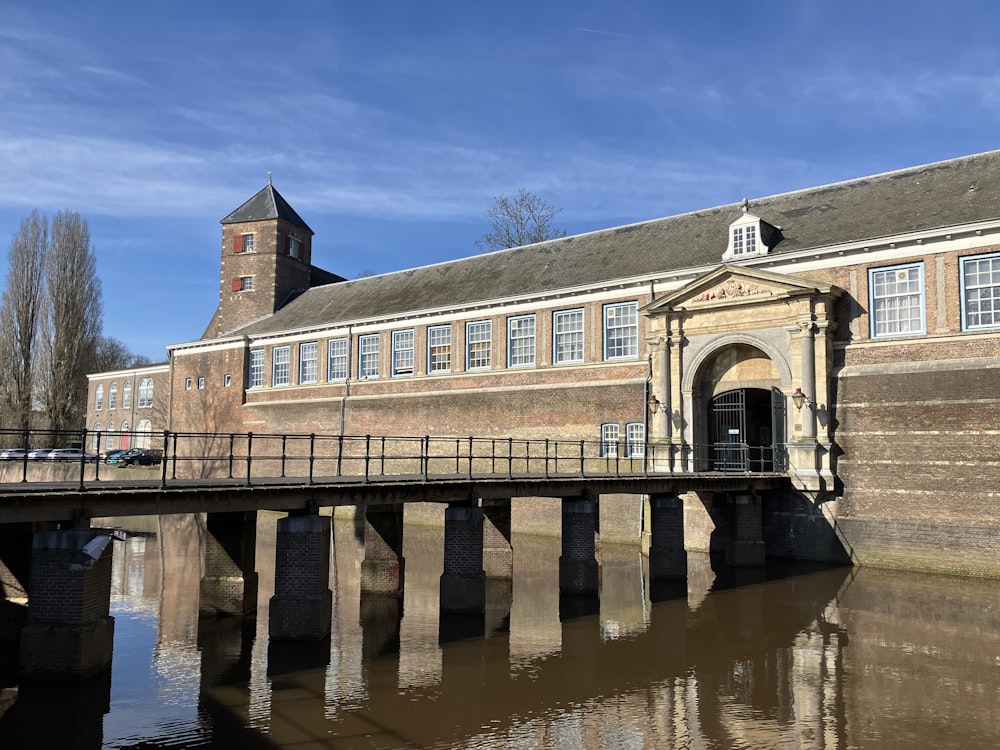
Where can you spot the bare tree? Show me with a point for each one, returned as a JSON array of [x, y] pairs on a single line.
[[517, 221], [72, 325], [114, 354], [20, 318]]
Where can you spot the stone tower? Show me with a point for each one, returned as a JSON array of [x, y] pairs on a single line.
[[266, 261]]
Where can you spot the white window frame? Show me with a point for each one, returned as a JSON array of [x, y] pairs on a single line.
[[113, 395], [227, 380], [610, 433], [142, 433], [246, 283], [109, 437], [95, 441], [438, 349], [255, 371], [621, 340], [521, 341], [402, 353], [294, 247], [989, 292], [248, 243], [127, 394], [281, 366], [884, 308], [635, 440], [336, 360], [99, 397], [479, 345], [368, 356], [187, 383], [567, 336], [308, 363], [201, 382], [145, 398]]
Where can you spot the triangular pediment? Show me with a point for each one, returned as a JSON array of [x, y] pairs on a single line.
[[732, 284]]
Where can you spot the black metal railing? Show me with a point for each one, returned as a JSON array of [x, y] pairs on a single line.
[[317, 458]]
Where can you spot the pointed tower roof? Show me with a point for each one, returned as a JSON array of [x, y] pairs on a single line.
[[266, 204]]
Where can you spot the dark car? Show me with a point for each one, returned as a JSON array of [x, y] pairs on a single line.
[[140, 457], [113, 457]]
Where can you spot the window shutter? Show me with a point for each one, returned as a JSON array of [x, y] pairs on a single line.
[[288, 245], [237, 285], [238, 243]]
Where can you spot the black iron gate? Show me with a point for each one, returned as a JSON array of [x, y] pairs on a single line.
[[729, 449]]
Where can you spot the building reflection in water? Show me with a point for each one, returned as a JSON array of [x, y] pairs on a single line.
[[729, 659]]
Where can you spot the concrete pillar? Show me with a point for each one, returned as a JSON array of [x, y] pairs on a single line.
[[498, 552], [463, 582], [745, 548], [383, 567], [578, 569], [69, 634], [229, 586], [302, 606], [667, 556]]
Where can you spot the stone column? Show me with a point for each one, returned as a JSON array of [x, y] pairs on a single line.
[[578, 569], [383, 568], [69, 634], [229, 586], [667, 557], [745, 548], [463, 582], [807, 346], [302, 605]]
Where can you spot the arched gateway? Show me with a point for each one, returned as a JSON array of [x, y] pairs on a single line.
[[729, 351]]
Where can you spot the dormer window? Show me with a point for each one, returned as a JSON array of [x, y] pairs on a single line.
[[750, 237]]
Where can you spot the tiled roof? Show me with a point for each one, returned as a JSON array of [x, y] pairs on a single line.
[[933, 196], [266, 204]]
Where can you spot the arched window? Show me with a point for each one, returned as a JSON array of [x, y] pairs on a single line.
[[113, 395], [124, 431], [143, 430], [99, 397], [95, 441], [145, 393], [109, 440], [127, 394]]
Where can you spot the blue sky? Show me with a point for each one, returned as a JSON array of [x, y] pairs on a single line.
[[390, 125]]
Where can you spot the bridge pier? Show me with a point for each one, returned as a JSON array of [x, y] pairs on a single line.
[[463, 582], [578, 569], [229, 586], [69, 634], [302, 606], [667, 556], [383, 567], [498, 553], [745, 547]]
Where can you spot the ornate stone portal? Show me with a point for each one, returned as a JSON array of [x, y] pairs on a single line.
[[728, 351]]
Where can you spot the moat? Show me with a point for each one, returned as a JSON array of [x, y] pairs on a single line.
[[793, 656]]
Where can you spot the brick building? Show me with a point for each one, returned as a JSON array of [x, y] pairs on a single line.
[[847, 335]]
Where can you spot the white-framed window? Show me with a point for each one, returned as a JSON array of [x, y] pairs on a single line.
[[281, 364], [635, 440], [621, 330], [143, 431], [609, 440], [438, 349], [227, 380], [247, 243], [113, 396], [255, 377], [111, 437], [479, 345], [145, 393], [127, 394], [336, 366], [99, 397], [201, 382], [187, 383], [95, 440], [980, 278], [402, 352], [308, 362], [294, 247], [745, 240], [567, 337], [521, 341], [896, 300], [246, 284], [368, 356]]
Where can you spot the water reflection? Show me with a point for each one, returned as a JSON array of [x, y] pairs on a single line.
[[792, 657]]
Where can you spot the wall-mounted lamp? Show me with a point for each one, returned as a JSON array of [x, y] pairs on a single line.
[[653, 403], [799, 398]]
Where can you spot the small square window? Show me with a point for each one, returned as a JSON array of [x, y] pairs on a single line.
[[248, 243], [246, 283], [227, 380], [187, 384], [201, 383]]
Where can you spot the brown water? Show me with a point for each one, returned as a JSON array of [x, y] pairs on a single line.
[[795, 657]]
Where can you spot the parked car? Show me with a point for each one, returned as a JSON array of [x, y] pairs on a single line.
[[70, 454], [113, 457], [11, 454], [40, 454], [140, 457]]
